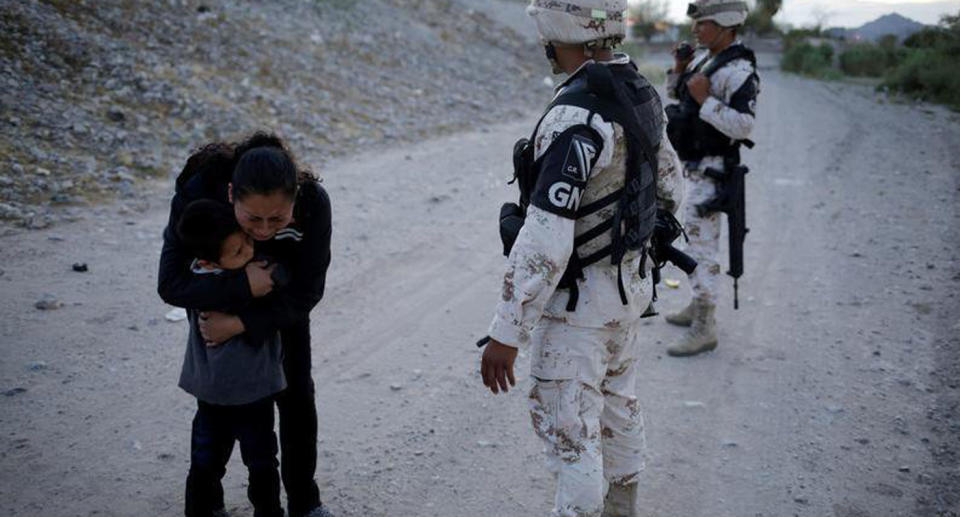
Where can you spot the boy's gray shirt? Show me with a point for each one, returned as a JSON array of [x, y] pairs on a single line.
[[233, 373]]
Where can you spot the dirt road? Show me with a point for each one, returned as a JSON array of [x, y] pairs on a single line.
[[833, 391]]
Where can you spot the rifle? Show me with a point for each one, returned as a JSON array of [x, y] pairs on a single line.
[[731, 200], [665, 232]]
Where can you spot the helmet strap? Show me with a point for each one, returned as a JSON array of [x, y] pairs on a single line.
[[588, 49], [551, 52]]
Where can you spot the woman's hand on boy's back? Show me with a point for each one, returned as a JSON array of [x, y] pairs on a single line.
[[259, 276], [217, 327]]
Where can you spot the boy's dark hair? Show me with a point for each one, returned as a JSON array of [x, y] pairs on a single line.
[[213, 162], [203, 227]]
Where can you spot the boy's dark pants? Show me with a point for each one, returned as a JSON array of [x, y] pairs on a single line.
[[215, 428], [298, 422]]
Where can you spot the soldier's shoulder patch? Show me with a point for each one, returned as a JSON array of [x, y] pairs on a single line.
[[579, 160]]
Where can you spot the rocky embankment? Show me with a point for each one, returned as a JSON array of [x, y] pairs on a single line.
[[99, 97]]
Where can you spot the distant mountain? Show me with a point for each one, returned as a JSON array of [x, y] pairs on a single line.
[[893, 23]]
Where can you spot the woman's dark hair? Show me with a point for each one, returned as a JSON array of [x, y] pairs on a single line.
[[203, 227], [264, 166]]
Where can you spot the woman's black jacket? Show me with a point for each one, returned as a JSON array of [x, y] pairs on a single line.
[[303, 247]]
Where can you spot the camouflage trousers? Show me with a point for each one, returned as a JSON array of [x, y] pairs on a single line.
[[704, 234], [584, 408]]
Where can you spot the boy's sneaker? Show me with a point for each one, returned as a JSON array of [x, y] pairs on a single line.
[[320, 511]]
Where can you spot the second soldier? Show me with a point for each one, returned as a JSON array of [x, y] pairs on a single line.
[[591, 176]]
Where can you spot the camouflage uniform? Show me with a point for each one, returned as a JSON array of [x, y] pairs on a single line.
[[730, 108], [583, 401]]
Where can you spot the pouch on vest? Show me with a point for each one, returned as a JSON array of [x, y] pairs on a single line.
[[511, 220], [513, 214]]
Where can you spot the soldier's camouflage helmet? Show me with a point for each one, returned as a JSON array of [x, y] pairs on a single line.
[[725, 13], [580, 21]]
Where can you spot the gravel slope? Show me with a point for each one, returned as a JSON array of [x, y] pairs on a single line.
[[99, 96]]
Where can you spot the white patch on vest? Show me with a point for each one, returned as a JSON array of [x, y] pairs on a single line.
[[564, 195]]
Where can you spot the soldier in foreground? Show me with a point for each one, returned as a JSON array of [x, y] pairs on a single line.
[[717, 91], [578, 278]]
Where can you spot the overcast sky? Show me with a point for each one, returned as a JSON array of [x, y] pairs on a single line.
[[846, 13]]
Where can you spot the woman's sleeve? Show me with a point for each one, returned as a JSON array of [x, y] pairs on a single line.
[[177, 286]]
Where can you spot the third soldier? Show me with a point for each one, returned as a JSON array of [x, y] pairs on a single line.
[[716, 88]]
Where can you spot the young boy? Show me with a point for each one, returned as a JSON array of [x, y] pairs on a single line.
[[234, 382]]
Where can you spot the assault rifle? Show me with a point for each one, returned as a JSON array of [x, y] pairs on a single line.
[[731, 200], [665, 232]]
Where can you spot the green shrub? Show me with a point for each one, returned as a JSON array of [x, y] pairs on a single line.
[[864, 59], [826, 52], [927, 74], [929, 68], [797, 37], [804, 58], [930, 37], [945, 38]]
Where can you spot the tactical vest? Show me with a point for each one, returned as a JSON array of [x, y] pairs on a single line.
[[618, 94], [691, 137]]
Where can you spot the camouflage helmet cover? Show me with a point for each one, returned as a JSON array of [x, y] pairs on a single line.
[[579, 21], [726, 13]]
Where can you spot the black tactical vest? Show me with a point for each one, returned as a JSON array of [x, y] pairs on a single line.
[[690, 136], [617, 93]]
